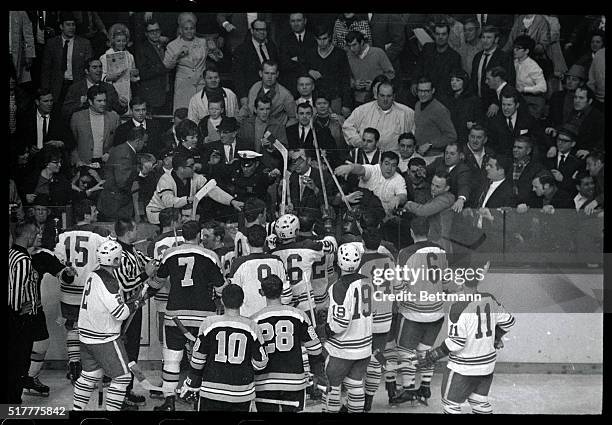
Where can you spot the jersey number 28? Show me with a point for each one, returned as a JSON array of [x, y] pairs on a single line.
[[282, 333]]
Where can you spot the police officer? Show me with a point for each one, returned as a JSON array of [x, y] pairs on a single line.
[[251, 179]]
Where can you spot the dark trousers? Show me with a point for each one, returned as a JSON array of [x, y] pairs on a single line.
[[132, 341], [18, 354], [208, 405]]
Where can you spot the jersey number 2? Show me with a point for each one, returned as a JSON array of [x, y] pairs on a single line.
[[86, 293]]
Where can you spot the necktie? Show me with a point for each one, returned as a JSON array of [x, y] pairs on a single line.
[[561, 160], [230, 157], [510, 126], [483, 72], [303, 135], [300, 38], [262, 53], [44, 127], [65, 56]]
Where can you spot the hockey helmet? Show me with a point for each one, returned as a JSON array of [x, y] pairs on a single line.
[[287, 226], [349, 257], [109, 253]]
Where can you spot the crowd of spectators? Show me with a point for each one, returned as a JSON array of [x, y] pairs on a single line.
[[435, 115]]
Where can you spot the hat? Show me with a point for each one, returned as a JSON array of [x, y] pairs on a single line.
[[577, 71], [248, 155], [66, 16], [569, 130], [228, 124]]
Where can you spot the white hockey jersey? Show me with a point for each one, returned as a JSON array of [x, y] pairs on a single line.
[[324, 273], [156, 251], [427, 262], [102, 310], [471, 335], [77, 247], [372, 263], [350, 317]]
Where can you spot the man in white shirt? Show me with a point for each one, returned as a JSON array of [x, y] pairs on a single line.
[[390, 118], [407, 150], [530, 81], [198, 105], [586, 190]]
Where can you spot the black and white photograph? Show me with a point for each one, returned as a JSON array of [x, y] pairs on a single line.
[[330, 213]]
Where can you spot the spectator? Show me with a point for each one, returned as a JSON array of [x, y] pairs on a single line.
[[386, 115], [530, 81], [476, 154], [302, 135], [348, 22], [93, 129], [144, 185], [365, 63], [459, 175], [433, 125], [463, 105], [169, 140], [597, 78], [249, 57], [561, 103], [564, 166], [149, 57], [470, 45], [491, 57], [207, 127], [46, 220], [534, 26], [292, 50], [48, 181], [21, 45], [525, 168], [417, 176], [324, 117], [283, 108], [595, 167], [125, 69], [328, 65], [589, 122], [86, 184], [598, 42], [388, 34], [498, 190], [187, 135], [550, 197], [76, 98], [236, 26], [437, 61], [368, 152], [305, 89], [139, 108], [585, 186], [120, 172], [64, 59], [407, 150], [187, 53], [495, 82], [198, 105], [90, 26]]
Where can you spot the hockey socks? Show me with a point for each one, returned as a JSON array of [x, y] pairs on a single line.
[[84, 386], [171, 371], [480, 404], [356, 395], [407, 367], [37, 357], [73, 345], [116, 392], [333, 400], [373, 375]]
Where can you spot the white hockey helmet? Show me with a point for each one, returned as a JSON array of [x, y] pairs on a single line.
[[287, 226], [349, 257], [109, 253]]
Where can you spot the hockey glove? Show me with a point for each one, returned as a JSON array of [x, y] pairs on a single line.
[[189, 389], [432, 356]]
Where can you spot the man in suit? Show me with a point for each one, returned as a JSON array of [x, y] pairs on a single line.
[[490, 57], [120, 172], [236, 26], [496, 81], [64, 59], [388, 34], [305, 190], [139, 109], [565, 166], [589, 122], [459, 175], [149, 58], [44, 24], [76, 98], [93, 129], [498, 190], [249, 57], [514, 121], [475, 155], [21, 45], [292, 50], [300, 135], [168, 139], [525, 168], [548, 193]]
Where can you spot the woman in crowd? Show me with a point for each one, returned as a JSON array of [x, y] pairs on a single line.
[[120, 37]]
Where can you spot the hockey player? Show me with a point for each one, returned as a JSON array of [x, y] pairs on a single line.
[[475, 331], [420, 320], [194, 274], [213, 237], [43, 262], [374, 264], [349, 332], [170, 236], [101, 314], [254, 213], [228, 351], [280, 386], [249, 272], [77, 247]]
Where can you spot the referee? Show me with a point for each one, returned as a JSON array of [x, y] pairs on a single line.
[[22, 305], [135, 269]]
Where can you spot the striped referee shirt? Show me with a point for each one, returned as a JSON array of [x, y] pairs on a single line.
[[22, 279], [131, 273]]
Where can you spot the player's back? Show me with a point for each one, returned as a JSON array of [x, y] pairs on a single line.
[[77, 246], [248, 272], [194, 273], [233, 350], [372, 263], [425, 262], [323, 271], [350, 302], [285, 329], [471, 329], [298, 258], [158, 246], [241, 243]]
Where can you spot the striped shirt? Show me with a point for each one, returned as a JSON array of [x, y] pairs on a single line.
[[131, 273], [22, 279]]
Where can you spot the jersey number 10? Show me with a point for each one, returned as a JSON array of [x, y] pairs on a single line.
[[230, 349]]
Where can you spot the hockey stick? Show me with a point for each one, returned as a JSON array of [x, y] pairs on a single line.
[[210, 185], [141, 378], [471, 246], [317, 151], [183, 329], [348, 205], [144, 296], [279, 402], [285, 154]]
